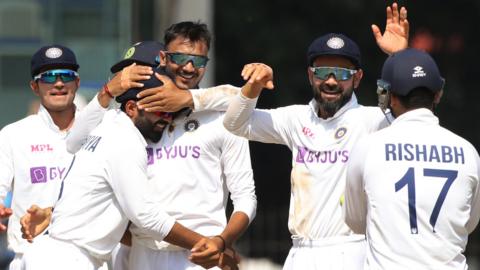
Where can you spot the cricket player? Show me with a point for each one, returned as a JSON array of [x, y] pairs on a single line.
[[321, 136], [414, 186], [106, 186], [196, 164], [33, 155]]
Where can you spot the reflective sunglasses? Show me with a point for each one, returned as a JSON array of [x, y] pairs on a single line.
[[341, 74], [198, 61], [164, 114], [50, 76]]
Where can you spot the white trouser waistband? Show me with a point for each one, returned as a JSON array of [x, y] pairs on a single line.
[[303, 242]]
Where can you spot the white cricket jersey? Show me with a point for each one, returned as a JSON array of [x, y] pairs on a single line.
[[193, 168], [105, 187], [414, 188], [33, 160], [320, 150]]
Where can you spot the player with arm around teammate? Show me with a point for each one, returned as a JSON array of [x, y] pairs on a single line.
[[105, 187], [414, 186]]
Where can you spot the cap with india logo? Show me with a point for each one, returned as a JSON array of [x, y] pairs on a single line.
[[334, 44], [53, 57], [142, 53], [408, 69]]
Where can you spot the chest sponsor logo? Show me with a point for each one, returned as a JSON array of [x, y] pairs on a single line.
[[173, 152], [42, 174], [304, 155], [40, 147]]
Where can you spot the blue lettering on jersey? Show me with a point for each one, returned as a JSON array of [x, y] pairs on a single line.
[[425, 153], [173, 152], [91, 143], [304, 155]]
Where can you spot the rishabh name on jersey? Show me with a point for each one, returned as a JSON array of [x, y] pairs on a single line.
[[320, 150], [423, 202], [186, 169], [33, 153]]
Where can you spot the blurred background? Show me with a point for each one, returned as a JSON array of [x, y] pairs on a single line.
[[274, 32]]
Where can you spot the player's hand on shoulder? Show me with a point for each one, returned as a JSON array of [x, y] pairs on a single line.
[[35, 221], [258, 73], [5, 212]]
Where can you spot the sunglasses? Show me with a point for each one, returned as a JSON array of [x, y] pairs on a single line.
[[198, 61], [164, 114], [51, 76], [341, 74]]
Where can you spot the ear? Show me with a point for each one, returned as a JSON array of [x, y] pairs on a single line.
[[357, 78], [34, 87], [310, 75], [131, 109], [437, 97], [163, 58]]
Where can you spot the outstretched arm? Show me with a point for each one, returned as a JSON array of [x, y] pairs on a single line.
[[395, 37]]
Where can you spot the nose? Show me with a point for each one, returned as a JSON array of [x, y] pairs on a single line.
[[188, 67], [331, 80], [58, 82]]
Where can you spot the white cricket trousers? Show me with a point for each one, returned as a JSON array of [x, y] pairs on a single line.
[[16, 263], [49, 253], [120, 257], [336, 253], [145, 258]]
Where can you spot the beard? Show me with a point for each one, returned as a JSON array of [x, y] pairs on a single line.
[[149, 130], [330, 107]]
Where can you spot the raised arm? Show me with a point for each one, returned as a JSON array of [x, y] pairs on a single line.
[[170, 98], [395, 37]]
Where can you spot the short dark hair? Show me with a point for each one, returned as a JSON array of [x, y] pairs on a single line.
[[420, 97], [194, 31]]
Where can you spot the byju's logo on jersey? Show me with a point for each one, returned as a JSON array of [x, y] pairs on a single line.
[[418, 72], [42, 174]]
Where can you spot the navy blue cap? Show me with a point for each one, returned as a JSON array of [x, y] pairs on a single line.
[[143, 53], [334, 44], [411, 68], [54, 56], [131, 94]]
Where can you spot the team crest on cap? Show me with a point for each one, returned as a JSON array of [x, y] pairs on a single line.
[[418, 72], [339, 133], [335, 43], [53, 52], [191, 125], [129, 53]]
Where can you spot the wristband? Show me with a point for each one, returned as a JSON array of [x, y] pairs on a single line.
[[105, 88], [223, 241]]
